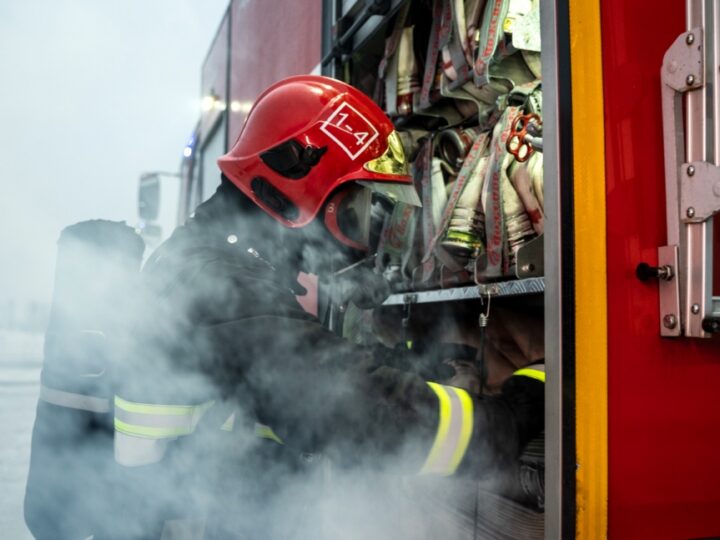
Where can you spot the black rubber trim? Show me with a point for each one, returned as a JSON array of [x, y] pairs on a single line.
[[274, 198], [567, 270]]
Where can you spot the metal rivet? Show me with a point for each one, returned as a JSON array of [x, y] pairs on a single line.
[[527, 268], [670, 321], [690, 212], [690, 39], [690, 80], [691, 170], [232, 239], [695, 309]]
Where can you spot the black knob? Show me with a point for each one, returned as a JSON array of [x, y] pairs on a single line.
[[644, 272], [711, 325]]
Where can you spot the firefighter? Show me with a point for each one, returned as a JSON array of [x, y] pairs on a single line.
[[231, 387]]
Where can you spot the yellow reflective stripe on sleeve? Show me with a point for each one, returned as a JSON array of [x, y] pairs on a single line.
[[157, 421], [532, 373], [443, 427], [455, 426], [150, 432], [266, 432], [466, 429]]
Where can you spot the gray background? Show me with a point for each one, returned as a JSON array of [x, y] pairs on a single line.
[[92, 93]]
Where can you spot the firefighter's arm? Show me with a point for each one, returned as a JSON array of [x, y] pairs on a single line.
[[320, 393], [481, 435]]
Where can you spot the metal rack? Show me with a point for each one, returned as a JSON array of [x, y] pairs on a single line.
[[355, 23], [501, 288]]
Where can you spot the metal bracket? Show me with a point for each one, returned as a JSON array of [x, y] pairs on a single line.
[[682, 68], [688, 184], [530, 261], [409, 298], [670, 317], [699, 191]]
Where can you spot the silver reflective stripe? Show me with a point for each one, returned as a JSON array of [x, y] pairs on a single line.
[[131, 451], [455, 426], [74, 401]]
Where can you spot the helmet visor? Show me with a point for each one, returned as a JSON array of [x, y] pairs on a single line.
[[394, 192], [393, 159]]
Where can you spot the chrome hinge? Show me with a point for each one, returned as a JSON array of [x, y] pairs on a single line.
[[691, 134]]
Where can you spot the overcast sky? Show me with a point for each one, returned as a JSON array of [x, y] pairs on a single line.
[[92, 93]]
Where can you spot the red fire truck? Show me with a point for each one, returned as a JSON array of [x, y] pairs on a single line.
[[625, 272]]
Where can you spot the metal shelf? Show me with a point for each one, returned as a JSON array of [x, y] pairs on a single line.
[[501, 288], [373, 25], [363, 26]]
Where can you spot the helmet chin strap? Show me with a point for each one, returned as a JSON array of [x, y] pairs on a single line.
[[355, 265], [361, 284]]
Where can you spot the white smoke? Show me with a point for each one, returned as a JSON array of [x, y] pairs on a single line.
[[329, 479], [93, 94]]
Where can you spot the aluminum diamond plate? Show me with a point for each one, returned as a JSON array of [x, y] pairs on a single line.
[[501, 288]]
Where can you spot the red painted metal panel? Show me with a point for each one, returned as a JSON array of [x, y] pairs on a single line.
[[270, 41], [214, 79], [664, 414]]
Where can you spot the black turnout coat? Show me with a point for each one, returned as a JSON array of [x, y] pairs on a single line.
[[218, 323]]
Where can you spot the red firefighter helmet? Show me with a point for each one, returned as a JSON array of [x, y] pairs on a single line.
[[305, 137]]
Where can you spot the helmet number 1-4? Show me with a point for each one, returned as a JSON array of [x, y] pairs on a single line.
[[350, 130]]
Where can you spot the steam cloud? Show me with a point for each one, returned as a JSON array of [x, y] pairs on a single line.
[[156, 340]]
